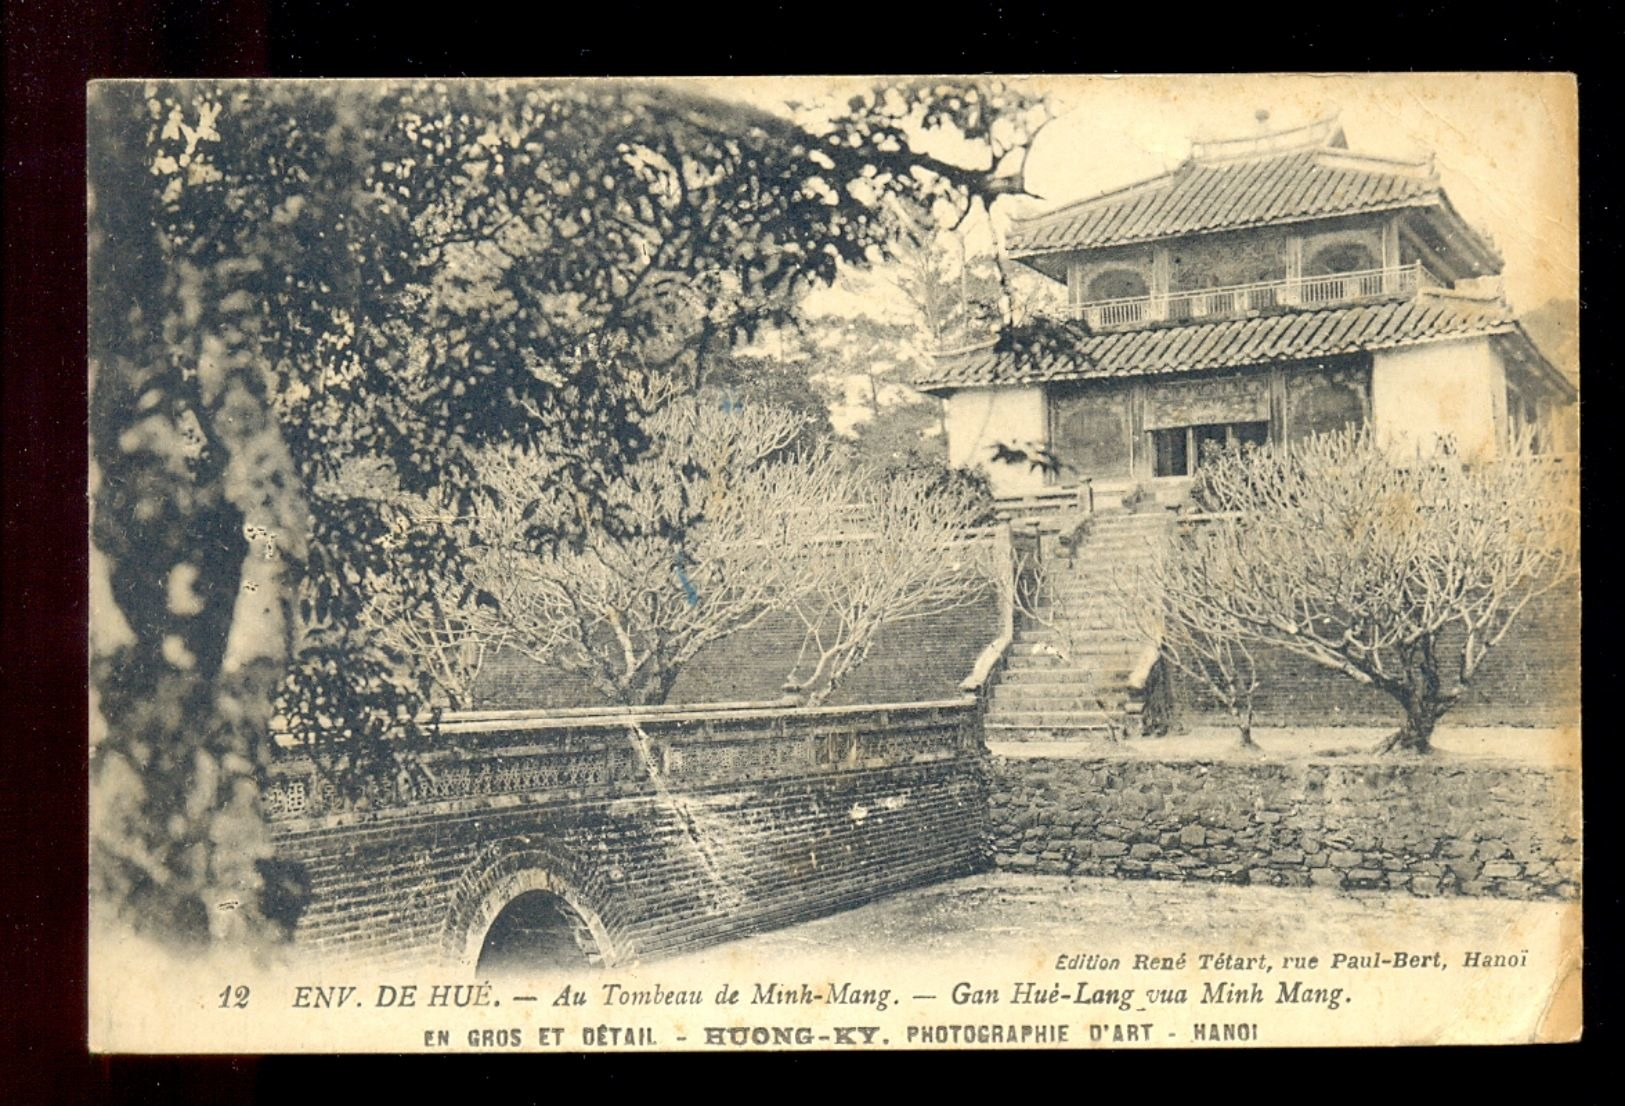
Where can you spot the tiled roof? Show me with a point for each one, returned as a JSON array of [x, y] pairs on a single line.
[[1289, 335], [1207, 196]]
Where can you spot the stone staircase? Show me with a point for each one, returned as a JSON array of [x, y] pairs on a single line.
[[1068, 671]]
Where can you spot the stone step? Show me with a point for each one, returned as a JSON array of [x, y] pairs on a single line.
[[1060, 699], [1083, 697], [1007, 699], [1080, 632], [1061, 720], [1078, 600], [1117, 568], [1093, 639], [1125, 528], [1084, 612], [1098, 538], [1022, 670], [1096, 664], [1121, 570], [1084, 692], [1074, 609], [1096, 668], [1112, 621], [1063, 681], [1102, 586], [1095, 671], [1086, 634], [1129, 518], [1117, 699], [1102, 661]]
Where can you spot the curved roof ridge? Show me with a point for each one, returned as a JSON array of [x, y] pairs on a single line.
[[1277, 185], [1122, 191], [1426, 164], [1323, 133]]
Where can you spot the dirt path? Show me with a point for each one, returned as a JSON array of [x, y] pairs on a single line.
[[1000, 915]]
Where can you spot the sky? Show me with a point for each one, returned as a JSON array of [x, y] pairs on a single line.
[[1505, 144]]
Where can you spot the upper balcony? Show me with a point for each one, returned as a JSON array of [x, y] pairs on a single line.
[[1238, 300]]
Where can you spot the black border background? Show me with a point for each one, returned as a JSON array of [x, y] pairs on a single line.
[[52, 47]]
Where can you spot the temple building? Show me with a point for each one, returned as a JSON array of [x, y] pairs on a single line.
[[1267, 288]]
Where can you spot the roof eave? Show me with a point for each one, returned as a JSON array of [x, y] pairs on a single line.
[[1506, 330], [1427, 200], [1481, 251], [1522, 347]]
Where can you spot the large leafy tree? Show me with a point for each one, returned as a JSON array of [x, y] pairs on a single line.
[[288, 278]]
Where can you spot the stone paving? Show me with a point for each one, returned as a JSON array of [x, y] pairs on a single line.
[[1002, 914]]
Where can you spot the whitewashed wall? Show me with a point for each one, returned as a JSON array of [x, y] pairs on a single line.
[[979, 417], [1422, 393]]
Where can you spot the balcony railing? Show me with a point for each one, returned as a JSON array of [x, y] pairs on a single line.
[[1244, 299]]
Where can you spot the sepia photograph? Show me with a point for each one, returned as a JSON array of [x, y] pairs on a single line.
[[834, 563]]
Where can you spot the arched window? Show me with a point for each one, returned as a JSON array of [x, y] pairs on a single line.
[[1344, 257], [1116, 284]]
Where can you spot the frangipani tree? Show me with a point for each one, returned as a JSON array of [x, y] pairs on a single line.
[[1401, 573], [703, 537], [1176, 602], [907, 548]]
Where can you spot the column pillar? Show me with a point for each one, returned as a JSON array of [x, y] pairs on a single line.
[[1293, 292], [1161, 268], [1390, 255], [1138, 455], [1278, 427]]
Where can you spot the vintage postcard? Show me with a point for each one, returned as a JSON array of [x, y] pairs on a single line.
[[812, 563]]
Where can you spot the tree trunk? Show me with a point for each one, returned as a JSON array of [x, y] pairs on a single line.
[[180, 847], [1424, 701], [658, 688], [1416, 734], [814, 697], [1245, 729]]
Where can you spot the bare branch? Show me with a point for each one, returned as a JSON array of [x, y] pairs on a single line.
[[1335, 551]]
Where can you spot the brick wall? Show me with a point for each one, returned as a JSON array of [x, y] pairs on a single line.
[[760, 819], [1532, 678], [1430, 827], [911, 662]]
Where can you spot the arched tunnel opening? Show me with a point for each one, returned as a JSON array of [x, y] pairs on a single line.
[[538, 931]]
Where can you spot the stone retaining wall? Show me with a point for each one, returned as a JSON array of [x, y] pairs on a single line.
[[1431, 827]]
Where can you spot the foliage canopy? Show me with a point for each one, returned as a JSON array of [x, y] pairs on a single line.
[[287, 279]]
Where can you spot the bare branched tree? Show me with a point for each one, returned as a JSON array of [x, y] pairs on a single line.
[[1171, 600], [952, 294], [908, 550], [443, 634], [1402, 574], [704, 541]]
